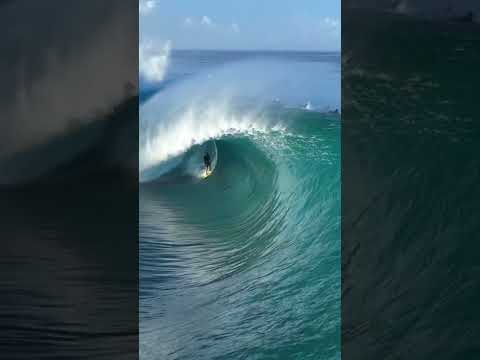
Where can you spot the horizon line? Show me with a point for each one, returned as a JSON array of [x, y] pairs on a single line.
[[253, 50]]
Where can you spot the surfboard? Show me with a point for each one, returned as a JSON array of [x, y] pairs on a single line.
[[206, 173]]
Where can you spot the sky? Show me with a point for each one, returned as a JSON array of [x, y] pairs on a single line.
[[242, 24]]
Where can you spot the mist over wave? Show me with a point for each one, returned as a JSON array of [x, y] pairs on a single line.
[[231, 99], [153, 60]]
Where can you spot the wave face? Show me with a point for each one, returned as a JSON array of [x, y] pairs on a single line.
[[245, 263]]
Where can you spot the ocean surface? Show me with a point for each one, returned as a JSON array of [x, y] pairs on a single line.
[[246, 263]]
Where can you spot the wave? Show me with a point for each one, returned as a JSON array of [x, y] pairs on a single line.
[[253, 232], [270, 179]]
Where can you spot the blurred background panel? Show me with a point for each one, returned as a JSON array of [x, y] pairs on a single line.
[[68, 179], [410, 179]]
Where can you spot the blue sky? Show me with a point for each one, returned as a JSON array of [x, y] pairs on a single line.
[[242, 24]]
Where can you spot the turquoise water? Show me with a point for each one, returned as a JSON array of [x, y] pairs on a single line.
[[244, 264]]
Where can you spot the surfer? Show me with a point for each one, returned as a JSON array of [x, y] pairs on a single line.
[[208, 163]]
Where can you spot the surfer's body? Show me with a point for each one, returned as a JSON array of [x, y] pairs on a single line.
[[207, 162]]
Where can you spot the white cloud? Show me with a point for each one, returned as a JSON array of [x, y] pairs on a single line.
[[153, 60], [331, 22], [330, 26], [207, 21], [145, 7]]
